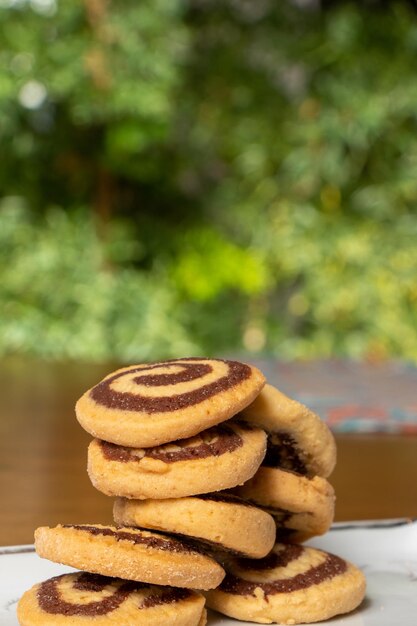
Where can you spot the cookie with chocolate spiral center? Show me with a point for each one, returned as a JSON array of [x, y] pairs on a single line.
[[293, 584], [72, 599], [219, 520], [220, 457], [129, 553], [150, 404]]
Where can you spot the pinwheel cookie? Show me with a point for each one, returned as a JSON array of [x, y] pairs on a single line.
[[298, 440], [84, 598], [128, 553], [301, 452], [148, 405], [221, 457], [302, 507], [220, 520], [293, 584]]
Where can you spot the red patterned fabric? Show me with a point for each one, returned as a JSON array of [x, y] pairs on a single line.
[[351, 396]]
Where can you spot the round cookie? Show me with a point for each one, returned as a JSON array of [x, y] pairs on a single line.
[[298, 439], [128, 553], [293, 584], [302, 507], [222, 520], [221, 457], [147, 405], [72, 599]]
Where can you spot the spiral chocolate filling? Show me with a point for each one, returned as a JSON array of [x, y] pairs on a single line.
[[332, 566], [126, 401], [51, 601], [282, 452], [152, 541], [213, 442], [167, 596], [272, 560]]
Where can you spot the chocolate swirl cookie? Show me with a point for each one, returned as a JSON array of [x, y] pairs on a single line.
[[218, 458], [72, 599], [293, 584], [301, 507], [148, 405], [301, 452], [220, 520], [128, 553], [298, 440]]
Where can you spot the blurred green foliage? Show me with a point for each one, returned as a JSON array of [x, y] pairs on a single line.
[[202, 177]]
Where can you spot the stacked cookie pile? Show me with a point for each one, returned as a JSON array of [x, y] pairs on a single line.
[[232, 472]]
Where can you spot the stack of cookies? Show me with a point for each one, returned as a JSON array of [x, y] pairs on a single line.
[[217, 478]]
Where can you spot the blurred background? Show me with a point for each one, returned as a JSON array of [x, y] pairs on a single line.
[[208, 177]]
